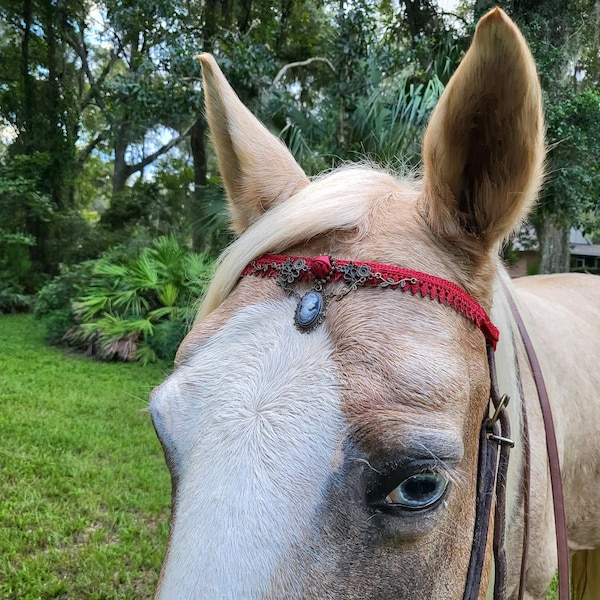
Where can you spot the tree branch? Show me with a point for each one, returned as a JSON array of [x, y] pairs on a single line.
[[79, 46], [131, 169], [301, 63], [90, 148], [446, 13]]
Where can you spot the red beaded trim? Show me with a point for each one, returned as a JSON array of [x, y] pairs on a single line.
[[289, 269]]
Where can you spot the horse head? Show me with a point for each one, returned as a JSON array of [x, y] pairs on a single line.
[[341, 462]]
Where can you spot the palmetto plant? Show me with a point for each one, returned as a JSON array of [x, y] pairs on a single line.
[[139, 308], [384, 123], [389, 122], [12, 299]]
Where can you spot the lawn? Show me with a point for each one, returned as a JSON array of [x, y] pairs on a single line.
[[85, 492]]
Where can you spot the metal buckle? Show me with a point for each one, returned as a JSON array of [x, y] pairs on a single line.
[[504, 400], [501, 405], [501, 440]]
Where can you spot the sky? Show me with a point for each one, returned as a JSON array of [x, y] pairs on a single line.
[[449, 5]]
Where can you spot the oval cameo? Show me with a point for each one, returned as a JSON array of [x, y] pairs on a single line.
[[310, 308]]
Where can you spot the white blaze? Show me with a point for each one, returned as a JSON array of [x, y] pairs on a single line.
[[256, 422]]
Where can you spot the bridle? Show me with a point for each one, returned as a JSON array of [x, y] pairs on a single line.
[[323, 270], [492, 471], [494, 438]]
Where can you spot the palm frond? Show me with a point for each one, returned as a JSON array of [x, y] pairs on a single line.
[[11, 299], [391, 120], [142, 273], [164, 311], [168, 294]]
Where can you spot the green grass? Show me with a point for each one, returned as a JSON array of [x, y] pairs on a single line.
[[85, 493], [553, 591]]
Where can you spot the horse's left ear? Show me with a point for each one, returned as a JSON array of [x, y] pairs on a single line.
[[484, 147], [257, 169]]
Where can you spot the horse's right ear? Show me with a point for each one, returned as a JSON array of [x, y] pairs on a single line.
[[257, 169], [484, 146]]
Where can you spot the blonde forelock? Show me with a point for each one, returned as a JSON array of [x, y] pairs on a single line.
[[341, 200]]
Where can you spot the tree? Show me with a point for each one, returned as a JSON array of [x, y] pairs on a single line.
[[565, 43], [373, 98], [137, 76], [100, 93], [38, 99]]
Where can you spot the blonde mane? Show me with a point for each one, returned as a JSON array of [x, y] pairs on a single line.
[[342, 200]]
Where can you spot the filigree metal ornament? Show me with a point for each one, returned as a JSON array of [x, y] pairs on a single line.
[[312, 306], [290, 270], [321, 271]]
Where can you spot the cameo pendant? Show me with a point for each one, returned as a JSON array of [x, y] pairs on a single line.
[[310, 311]]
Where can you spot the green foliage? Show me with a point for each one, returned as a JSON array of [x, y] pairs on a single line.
[[389, 122], [36, 234], [212, 222], [148, 209], [92, 104], [93, 186], [533, 268], [573, 183], [91, 101], [21, 204], [373, 99], [139, 308], [249, 64], [385, 126], [590, 224], [53, 304], [39, 94], [13, 300], [565, 42]]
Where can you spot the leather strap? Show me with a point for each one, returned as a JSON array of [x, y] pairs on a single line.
[[486, 479], [492, 469], [505, 444], [560, 522], [500, 559]]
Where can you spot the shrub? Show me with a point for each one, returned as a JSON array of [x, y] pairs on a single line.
[[12, 298], [54, 302], [138, 308]]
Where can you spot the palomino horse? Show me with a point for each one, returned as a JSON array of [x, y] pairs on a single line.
[[335, 455]]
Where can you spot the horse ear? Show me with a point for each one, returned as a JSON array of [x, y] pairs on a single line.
[[257, 169], [484, 146]]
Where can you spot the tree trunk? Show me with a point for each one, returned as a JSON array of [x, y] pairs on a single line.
[[28, 89], [198, 139], [198, 145], [554, 247], [209, 31], [120, 170], [420, 16]]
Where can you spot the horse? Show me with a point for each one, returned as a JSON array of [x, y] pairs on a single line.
[[323, 421]]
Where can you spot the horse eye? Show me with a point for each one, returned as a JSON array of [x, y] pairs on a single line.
[[418, 491]]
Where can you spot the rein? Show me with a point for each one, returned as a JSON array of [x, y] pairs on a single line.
[[495, 442], [560, 521]]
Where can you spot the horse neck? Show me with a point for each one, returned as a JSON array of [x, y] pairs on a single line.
[[509, 380], [509, 383]]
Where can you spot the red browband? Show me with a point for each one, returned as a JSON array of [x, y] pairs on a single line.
[[323, 269]]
